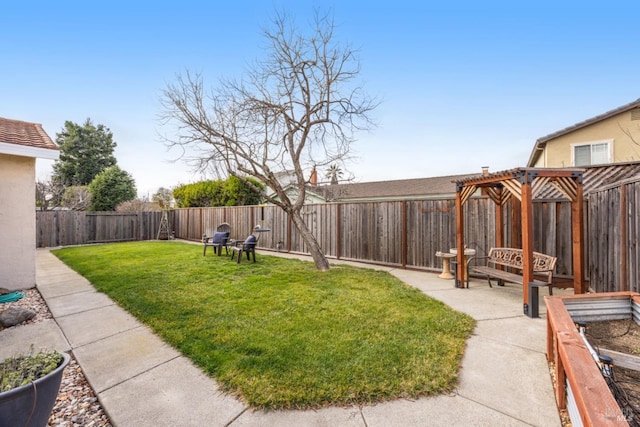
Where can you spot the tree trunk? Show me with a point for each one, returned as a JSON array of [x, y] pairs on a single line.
[[320, 260]]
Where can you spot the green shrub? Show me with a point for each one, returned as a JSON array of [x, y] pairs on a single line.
[[229, 192]]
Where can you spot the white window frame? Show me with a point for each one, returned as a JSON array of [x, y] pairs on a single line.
[[608, 142]]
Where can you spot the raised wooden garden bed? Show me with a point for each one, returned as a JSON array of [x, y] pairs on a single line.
[[580, 387]]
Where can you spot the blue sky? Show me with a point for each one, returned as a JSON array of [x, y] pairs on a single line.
[[463, 84]]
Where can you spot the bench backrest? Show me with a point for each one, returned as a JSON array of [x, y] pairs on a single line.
[[512, 257]]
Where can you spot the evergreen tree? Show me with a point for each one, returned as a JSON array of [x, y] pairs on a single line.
[[85, 151], [110, 188]]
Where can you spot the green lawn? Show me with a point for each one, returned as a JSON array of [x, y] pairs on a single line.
[[279, 333]]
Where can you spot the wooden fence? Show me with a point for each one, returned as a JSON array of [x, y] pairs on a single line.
[[406, 234], [397, 233], [65, 228], [614, 263]]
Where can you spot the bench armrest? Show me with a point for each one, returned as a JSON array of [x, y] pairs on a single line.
[[479, 258]]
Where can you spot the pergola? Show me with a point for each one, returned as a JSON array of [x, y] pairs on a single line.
[[524, 184]]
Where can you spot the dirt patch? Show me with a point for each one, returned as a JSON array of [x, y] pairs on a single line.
[[622, 336], [618, 335]]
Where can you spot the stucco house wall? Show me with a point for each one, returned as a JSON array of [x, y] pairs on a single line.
[[617, 129], [17, 213], [20, 144]]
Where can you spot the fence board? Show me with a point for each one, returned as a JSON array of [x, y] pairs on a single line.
[[633, 234]]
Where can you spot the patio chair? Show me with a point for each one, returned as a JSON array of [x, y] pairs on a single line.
[[247, 246], [219, 240]]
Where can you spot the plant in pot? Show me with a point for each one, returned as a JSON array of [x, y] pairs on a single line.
[[29, 386]]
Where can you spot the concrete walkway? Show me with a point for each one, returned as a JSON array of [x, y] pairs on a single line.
[[141, 381]]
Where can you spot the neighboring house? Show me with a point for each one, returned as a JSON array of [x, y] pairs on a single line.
[[612, 137], [311, 196], [287, 179], [439, 187], [20, 144]]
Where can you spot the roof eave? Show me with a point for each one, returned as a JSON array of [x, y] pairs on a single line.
[[538, 149], [26, 151], [588, 122]]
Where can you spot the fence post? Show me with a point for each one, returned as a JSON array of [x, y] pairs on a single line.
[[624, 284], [288, 232], [338, 230], [404, 234]]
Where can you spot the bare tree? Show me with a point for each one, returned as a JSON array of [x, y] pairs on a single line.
[[163, 198], [49, 194], [297, 108], [77, 198], [139, 205], [630, 134]]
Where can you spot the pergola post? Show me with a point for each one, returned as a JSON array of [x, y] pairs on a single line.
[[499, 223], [460, 273], [577, 220], [527, 240]]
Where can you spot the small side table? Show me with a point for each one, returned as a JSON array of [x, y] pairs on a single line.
[[446, 269]]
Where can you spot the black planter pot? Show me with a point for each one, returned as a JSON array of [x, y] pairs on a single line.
[[31, 404]]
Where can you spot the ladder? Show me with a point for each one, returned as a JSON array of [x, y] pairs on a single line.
[[164, 226]]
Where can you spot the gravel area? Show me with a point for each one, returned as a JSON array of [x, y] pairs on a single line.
[[34, 302], [77, 404]]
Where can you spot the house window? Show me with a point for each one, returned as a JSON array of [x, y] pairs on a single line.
[[596, 153]]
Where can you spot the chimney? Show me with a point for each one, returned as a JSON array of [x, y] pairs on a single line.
[[485, 170], [314, 177]]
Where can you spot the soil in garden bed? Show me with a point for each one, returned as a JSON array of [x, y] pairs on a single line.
[[622, 336]]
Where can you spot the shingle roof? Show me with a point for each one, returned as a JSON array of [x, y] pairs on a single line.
[[24, 133], [540, 143], [439, 186]]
